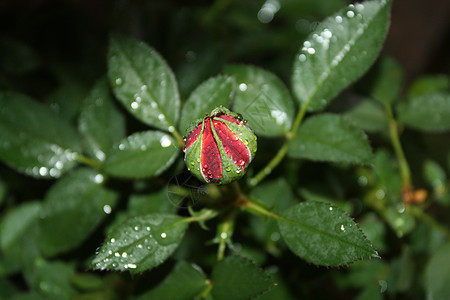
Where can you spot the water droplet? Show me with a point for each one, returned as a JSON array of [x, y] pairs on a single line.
[[380, 194], [338, 19], [59, 165], [350, 14], [359, 7], [117, 254], [124, 254], [275, 236], [113, 240], [171, 129], [143, 147], [119, 81], [140, 246], [362, 180], [165, 141], [131, 266], [161, 117], [107, 209], [148, 228], [243, 87], [98, 178], [223, 235], [136, 228], [153, 105], [331, 208], [342, 227], [121, 146], [311, 50], [163, 235], [143, 88], [114, 265], [134, 105], [43, 171]]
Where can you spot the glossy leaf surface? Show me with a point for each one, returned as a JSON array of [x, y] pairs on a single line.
[[338, 52]]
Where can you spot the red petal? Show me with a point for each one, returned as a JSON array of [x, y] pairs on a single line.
[[234, 147], [210, 158], [229, 118], [193, 136]]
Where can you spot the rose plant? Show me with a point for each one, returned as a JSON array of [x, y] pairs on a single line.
[[224, 193]]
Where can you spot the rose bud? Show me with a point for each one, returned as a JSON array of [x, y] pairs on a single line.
[[219, 147]]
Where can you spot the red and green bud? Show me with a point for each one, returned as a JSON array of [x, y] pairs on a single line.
[[219, 147]]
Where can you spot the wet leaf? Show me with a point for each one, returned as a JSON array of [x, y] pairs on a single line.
[[140, 243], [388, 83], [264, 229], [262, 99], [35, 140], [156, 202], [437, 274], [16, 222], [51, 279], [73, 207], [339, 51], [427, 84], [323, 235], [143, 82], [369, 116], [329, 137], [238, 278], [142, 154], [427, 112], [100, 124], [184, 283], [210, 94]]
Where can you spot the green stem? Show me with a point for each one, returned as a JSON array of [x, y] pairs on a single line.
[[224, 233], [395, 140], [206, 291], [201, 216], [430, 221], [270, 166], [177, 136], [298, 120], [257, 209], [282, 151], [89, 162]]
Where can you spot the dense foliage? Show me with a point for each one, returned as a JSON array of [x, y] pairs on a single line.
[[96, 201]]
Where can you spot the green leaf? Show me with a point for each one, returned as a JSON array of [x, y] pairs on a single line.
[[143, 82], [262, 99], [66, 100], [156, 202], [331, 138], [210, 94], [238, 278], [34, 140], [429, 84], [427, 112], [141, 243], [388, 83], [437, 274], [401, 221], [51, 279], [266, 230], [142, 154], [368, 115], [73, 207], [100, 124], [338, 52], [16, 222], [184, 283], [323, 235]]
